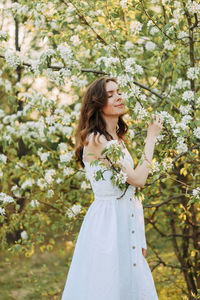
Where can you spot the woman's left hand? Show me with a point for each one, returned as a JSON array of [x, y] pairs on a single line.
[[144, 252]]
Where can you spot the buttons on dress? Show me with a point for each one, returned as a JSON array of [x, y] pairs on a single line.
[[133, 231], [132, 215], [133, 247], [130, 199], [134, 265]]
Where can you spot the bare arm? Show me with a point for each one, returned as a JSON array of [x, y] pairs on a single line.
[[138, 176]]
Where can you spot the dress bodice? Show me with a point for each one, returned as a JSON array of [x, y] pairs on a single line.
[[104, 188]]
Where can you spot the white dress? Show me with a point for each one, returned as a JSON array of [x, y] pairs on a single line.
[[107, 263]]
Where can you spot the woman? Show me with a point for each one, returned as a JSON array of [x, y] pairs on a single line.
[[109, 258]]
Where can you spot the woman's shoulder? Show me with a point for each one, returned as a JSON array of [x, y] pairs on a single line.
[[95, 139], [94, 144]]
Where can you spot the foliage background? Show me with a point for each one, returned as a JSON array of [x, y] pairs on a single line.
[[49, 52]]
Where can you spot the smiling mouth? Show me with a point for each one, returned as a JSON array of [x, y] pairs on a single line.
[[120, 105]]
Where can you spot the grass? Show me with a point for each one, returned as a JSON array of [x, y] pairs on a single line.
[[43, 275]]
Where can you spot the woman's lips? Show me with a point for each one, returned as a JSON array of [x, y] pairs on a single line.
[[121, 105]]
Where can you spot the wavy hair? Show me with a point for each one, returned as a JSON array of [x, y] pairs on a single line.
[[91, 120]]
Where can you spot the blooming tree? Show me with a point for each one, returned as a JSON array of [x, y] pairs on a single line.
[[152, 48]]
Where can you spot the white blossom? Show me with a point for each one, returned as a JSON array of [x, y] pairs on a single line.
[[193, 73], [167, 163], [46, 54], [48, 175], [140, 111], [182, 84], [193, 7], [155, 167], [3, 35], [135, 27], [35, 203], [128, 46], [77, 107], [167, 118], [196, 132], [185, 109], [123, 3], [2, 211], [85, 186], [112, 144], [121, 177], [79, 82], [188, 96], [63, 147], [108, 61], [74, 211], [198, 102], [160, 137], [41, 183], [50, 193], [24, 235], [27, 183], [170, 30], [12, 59], [181, 145], [3, 158], [75, 40], [65, 52], [168, 45], [66, 157], [124, 79], [59, 180], [6, 198], [196, 192], [183, 34], [68, 171], [43, 156], [35, 66], [154, 30], [131, 66], [150, 46]]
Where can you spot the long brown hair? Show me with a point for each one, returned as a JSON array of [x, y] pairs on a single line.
[[90, 119]]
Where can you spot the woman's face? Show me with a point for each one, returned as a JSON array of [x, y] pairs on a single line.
[[115, 104]]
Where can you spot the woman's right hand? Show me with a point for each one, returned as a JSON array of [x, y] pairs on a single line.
[[155, 127]]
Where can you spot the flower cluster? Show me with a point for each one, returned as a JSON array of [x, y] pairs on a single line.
[[35, 203], [196, 132], [168, 45], [27, 183], [3, 36], [3, 158], [132, 67], [185, 109], [140, 112], [12, 59], [135, 27], [181, 145], [193, 7], [188, 96], [6, 198], [66, 157], [196, 193], [74, 210], [48, 175], [65, 52], [193, 73], [123, 3], [150, 46]]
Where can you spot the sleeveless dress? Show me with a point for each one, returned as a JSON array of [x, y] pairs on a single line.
[[108, 263]]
